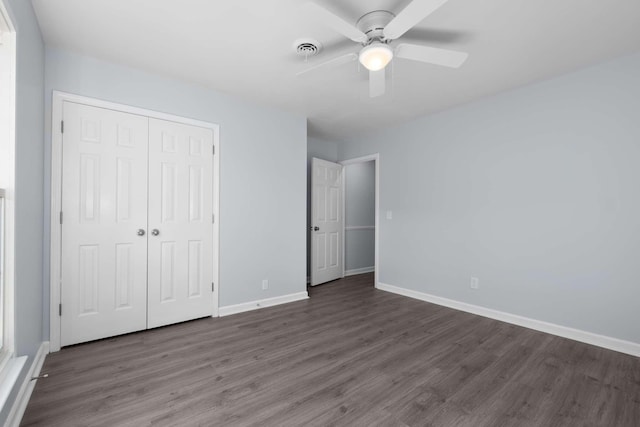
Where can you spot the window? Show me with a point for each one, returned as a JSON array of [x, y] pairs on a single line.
[[7, 185], [10, 365]]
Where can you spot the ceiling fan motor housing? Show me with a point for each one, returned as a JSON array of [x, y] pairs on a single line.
[[373, 23]]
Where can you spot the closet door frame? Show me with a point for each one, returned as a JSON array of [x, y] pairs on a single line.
[[58, 100]]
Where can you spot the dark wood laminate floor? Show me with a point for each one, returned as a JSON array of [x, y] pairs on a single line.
[[349, 356]]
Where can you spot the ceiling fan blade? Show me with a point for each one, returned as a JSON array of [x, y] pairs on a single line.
[[377, 83], [415, 12], [342, 59], [336, 23], [431, 55]]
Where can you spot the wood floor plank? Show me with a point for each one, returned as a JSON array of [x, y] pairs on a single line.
[[351, 355]]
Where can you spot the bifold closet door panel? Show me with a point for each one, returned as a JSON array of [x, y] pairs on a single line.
[[180, 252], [104, 219]]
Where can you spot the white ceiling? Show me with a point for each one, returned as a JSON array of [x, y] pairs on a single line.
[[244, 47]]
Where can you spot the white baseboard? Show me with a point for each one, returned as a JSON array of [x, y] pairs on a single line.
[[610, 343], [355, 271], [263, 303], [24, 394]]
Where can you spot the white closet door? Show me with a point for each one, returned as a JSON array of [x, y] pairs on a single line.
[[180, 223], [104, 205]]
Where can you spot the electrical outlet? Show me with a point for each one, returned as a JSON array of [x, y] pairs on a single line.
[[475, 283], [389, 215], [265, 284]]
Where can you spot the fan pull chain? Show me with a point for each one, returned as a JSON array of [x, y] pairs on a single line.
[[393, 78]]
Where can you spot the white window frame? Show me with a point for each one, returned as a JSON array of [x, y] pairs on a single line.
[[4, 354], [9, 365]]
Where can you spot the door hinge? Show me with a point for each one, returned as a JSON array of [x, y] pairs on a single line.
[[60, 217], [213, 218], [213, 150], [213, 287], [59, 309], [61, 126]]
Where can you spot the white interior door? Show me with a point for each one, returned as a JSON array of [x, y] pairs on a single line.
[[327, 224], [180, 223], [104, 207]]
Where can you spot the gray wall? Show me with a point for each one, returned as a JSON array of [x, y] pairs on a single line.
[[29, 178], [534, 191], [321, 149], [262, 188], [325, 150], [360, 195]]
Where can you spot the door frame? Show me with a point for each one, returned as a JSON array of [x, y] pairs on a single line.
[[369, 158], [55, 255]]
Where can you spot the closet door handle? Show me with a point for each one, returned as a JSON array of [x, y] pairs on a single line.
[[140, 232], [155, 232]]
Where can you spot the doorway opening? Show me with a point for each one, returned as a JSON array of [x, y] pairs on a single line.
[[330, 222], [360, 207]]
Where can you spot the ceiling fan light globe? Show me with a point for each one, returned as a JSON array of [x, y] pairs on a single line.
[[376, 56]]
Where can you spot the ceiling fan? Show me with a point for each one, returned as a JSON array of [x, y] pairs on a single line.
[[376, 31]]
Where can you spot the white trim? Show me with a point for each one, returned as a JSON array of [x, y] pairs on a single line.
[[343, 243], [10, 366], [363, 270], [24, 394], [8, 180], [59, 97], [263, 303], [375, 158], [216, 221], [360, 227], [54, 222], [10, 375], [603, 341], [6, 25], [56, 191], [6, 357], [368, 158]]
